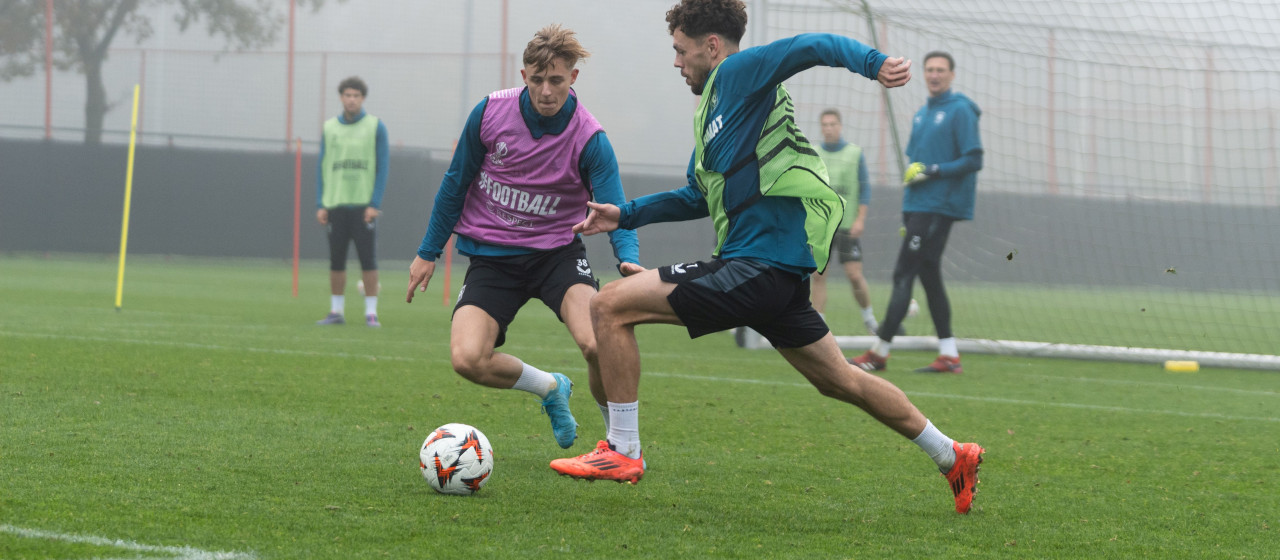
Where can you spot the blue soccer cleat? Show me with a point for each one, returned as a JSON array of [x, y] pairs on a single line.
[[332, 319], [556, 405]]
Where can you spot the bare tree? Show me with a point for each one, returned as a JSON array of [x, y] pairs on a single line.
[[21, 31], [87, 28]]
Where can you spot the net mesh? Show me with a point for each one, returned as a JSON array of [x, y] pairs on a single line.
[[1129, 189]]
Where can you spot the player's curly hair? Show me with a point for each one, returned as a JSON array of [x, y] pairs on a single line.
[[355, 83], [697, 18], [552, 42]]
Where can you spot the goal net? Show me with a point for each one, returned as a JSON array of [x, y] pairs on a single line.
[[1128, 204]]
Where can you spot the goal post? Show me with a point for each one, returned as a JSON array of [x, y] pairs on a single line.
[[1128, 205]]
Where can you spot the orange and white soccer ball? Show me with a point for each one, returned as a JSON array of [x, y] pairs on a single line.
[[360, 287], [456, 459]]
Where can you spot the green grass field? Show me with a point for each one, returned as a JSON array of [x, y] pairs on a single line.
[[211, 419]]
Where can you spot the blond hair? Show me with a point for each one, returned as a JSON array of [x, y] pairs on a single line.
[[552, 42]]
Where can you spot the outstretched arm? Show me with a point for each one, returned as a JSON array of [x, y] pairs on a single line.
[[600, 168], [894, 72], [602, 219], [759, 70]]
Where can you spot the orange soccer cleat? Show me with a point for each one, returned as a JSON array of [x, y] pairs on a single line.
[[603, 463], [963, 475]]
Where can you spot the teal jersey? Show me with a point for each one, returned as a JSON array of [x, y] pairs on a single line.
[[772, 228]]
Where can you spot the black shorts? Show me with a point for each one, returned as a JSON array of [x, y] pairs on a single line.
[[712, 296], [846, 248], [502, 285], [346, 224]]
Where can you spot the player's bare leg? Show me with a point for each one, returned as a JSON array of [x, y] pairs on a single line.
[[615, 312], [369, 281], [823, 365], [575, 309], [861, 292], [471, 349], [818, 292]]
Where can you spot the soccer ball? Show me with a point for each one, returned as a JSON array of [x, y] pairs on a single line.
[[360, 287], [456, 459]]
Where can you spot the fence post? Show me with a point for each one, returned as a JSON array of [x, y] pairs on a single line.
[[1208, 124], [1051, 156]]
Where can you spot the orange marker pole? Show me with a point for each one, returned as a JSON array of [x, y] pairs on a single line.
[[297, 210]]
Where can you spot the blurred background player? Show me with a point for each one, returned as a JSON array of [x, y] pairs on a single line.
[[765, 189], [946, 155], [527, 163], [847, 170], [352, 175]]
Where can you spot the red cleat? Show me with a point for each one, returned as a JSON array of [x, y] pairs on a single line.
[[963, 476], [870, 361], [603, 463], [944, 364]]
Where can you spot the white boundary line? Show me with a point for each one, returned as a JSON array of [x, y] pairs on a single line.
[[989, 399], [176, 552], [727, 379], [199, 346]]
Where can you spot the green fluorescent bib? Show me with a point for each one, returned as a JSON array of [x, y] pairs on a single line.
[[788, 165], [350, 162], [842, 168]]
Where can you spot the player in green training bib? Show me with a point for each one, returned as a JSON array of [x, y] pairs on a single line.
[[354, 157], [766, 191]]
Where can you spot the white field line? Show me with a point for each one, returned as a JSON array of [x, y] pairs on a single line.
[[568, 348], [199, 346], [725, 379], [1250, 392], [988, 399], [174, 552]]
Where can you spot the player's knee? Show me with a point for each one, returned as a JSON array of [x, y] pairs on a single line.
[[468, 364], [589, 351], [604, 305]]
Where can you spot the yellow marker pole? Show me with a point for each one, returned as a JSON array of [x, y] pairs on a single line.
[[128, 194]]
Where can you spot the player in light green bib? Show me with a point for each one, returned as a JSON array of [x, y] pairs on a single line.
[[765, 189], [847, 170], [351, 178]]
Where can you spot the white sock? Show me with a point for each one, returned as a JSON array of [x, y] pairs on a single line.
[[337, 304], [604, 411], [536, 381], [881, 348], [370, 305], [937, 445], [624, 428], [868, 315], [947, 347]]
